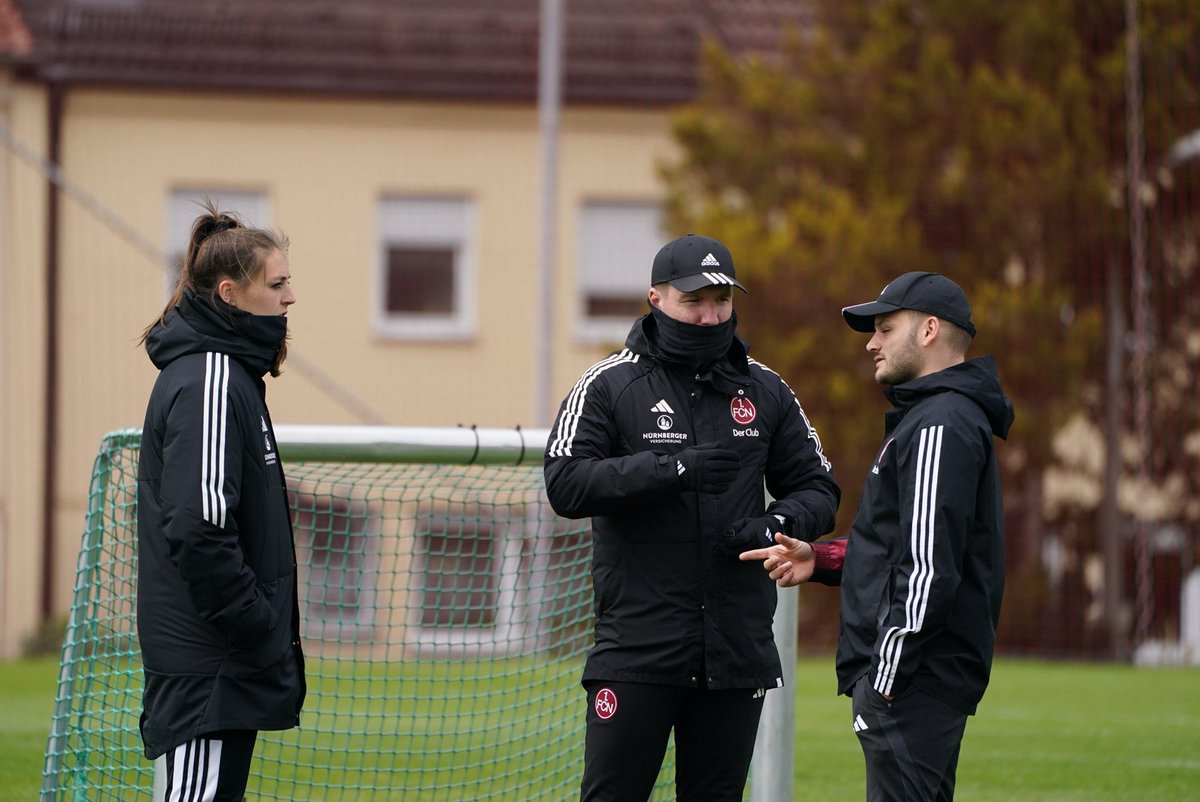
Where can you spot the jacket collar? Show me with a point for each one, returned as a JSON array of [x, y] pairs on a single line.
[[200, 324]]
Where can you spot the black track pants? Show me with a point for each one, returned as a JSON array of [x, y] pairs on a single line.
[[628, 725], [211, 768], [910, 744]]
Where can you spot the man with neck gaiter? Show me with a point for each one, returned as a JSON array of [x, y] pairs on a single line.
[[667, 445]]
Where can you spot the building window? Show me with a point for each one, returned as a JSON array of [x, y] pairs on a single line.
[[480, 575], [420, 281], [336, 543], [183, 207], [617, 243], [425, 275], [461, 573]]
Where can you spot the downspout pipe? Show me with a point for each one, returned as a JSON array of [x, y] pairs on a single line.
[[56, 99]]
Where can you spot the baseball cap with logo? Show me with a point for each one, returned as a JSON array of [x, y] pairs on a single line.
[[931, 293], [692, 262]]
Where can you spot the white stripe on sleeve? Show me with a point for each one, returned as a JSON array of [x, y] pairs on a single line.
[[568, 420], [812, 433], [212, 468]]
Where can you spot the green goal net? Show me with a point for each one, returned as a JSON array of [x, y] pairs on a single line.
[[446, 611]]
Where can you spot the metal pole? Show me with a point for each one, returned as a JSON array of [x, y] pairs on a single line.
[[549, 105], [1140, 292], [771, 772], [1110, 513]]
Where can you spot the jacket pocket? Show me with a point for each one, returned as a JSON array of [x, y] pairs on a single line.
[[262, 646]]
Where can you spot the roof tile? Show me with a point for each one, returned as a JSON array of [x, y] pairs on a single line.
[[615, 50]]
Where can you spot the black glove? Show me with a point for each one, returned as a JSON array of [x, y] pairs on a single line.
[[753, 533], [708, 468]]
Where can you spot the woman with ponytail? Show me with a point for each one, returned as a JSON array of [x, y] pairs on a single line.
[[218, 618]]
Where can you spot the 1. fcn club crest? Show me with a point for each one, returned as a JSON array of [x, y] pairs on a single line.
[[742, 410]]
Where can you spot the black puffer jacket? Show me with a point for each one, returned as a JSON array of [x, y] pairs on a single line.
[[672, 606], [217, 608], [924, 565]]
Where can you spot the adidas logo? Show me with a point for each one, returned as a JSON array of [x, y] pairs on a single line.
[[662, 406], [859, 724], [679, 467], [710, 261]]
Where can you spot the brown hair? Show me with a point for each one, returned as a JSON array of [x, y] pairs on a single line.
[[222, 247], [958, 338]]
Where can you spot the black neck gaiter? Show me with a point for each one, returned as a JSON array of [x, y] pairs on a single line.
[[265, 335], [689, 344]]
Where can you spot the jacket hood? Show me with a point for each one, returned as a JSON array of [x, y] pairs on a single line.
[[198, 325], [977, 379]]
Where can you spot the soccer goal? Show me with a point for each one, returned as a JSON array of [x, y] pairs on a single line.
[[445, 608]]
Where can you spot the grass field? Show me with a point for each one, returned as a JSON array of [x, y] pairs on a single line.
[[1066, 732]]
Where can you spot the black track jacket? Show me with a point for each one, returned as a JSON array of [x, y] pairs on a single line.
[[924, 565], [670, 607], [217, 606]]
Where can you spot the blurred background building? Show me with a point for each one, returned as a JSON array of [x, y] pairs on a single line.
[[397, 144], [466, 239]]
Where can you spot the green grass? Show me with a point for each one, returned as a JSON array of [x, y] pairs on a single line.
[[1045, 732], [26, 704], [1066, 732], [1085, 733]]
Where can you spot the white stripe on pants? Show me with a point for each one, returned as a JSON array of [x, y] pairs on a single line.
[[193, 772]]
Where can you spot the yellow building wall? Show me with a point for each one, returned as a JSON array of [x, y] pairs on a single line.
[[324, 166], [22, 362]]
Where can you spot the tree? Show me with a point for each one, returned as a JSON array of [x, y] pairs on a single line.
[[982, 140]]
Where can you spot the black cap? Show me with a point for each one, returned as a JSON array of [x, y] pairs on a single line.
[[692, 262], [931, 293]]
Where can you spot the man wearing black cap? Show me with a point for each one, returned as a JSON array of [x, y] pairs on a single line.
[[666, 445], [922, 571]]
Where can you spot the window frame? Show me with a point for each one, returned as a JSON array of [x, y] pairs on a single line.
[[601, 330], [427, 221], [517, 566], [361, 530]]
